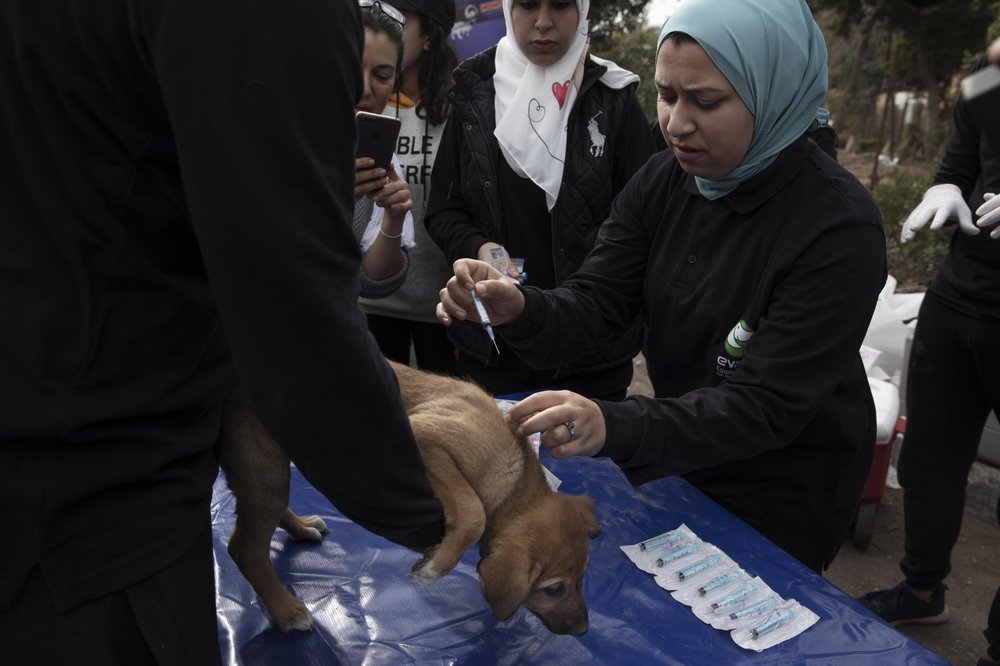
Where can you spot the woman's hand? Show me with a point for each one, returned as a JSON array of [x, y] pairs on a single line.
[[571, 425], [367, 178], [395, 198], [486, 254], [503, 301]]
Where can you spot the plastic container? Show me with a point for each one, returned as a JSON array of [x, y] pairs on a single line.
[[889, 432]]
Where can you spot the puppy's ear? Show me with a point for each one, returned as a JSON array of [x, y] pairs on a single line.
[[585, 508], [506, 576]]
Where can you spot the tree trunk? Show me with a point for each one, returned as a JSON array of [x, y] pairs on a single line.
[[934, 101], [855, 74]]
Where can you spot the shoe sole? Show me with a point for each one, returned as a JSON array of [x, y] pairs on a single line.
[[940, 618]]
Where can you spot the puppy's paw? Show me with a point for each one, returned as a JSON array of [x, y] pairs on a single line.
[[307, 528], [424, 571], [310, 534], [293, 616], [316, 523]]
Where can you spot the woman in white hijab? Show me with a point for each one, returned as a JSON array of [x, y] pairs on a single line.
[[541, 138]]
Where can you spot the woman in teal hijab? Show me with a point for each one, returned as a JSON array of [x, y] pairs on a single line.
[[776, 64], [754, 261]]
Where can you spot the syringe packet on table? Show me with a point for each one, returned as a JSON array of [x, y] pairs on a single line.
[[651, 555], [787, 620], [718, 591], [702, 566]]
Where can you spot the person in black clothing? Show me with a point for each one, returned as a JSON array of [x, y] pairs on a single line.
[[754, 261], [952, 378], [541, 138], [175, 183]]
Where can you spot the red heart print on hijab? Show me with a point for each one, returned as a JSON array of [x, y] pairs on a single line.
[[559, 90]]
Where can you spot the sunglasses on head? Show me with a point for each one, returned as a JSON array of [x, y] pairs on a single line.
[[386, 9]]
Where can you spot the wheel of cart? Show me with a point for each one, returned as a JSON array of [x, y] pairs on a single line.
[[864, 522], [888, 433]]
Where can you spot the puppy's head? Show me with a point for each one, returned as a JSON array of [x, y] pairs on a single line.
[[539, 559]]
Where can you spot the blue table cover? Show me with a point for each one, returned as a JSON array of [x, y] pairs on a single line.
[[368, 610]]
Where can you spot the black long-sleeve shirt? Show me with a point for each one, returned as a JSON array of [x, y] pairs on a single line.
[[175, 183], [780, 432], [968, 279]]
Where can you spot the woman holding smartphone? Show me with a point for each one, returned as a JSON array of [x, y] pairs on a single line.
[[405, 318], [382, 221]]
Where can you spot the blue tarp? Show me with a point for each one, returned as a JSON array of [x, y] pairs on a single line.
[[368, 610]]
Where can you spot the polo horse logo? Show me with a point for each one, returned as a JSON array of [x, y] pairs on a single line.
[[596, 138]]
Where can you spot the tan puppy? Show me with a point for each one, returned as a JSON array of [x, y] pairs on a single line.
[[534, 542]]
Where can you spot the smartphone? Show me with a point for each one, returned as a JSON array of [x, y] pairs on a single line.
[[377, 137]]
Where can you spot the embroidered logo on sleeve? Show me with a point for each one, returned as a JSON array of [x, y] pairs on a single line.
[[735, 343]]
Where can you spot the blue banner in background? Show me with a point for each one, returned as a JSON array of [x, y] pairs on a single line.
[[478, 26]]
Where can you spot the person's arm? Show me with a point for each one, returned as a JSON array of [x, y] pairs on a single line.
[[260, 99], [448, 220], [948, 196], [385, 262], [806, 344], [961, 164], [381, 288], [597, 303]]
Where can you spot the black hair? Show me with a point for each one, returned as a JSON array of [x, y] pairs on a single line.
[[374, 19], [435, 77], [679, 38]]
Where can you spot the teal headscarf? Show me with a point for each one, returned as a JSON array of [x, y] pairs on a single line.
[[774, 55]]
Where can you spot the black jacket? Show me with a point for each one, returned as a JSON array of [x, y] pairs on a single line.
[[466, 209], [175, 183], [781, 433]]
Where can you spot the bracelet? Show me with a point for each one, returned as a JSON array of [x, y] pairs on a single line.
[[399, 235]]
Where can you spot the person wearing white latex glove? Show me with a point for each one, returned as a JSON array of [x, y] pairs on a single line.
[[940, 204], [989, 214], [951, 385]]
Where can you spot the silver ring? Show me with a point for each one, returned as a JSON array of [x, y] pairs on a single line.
[[571, 426]]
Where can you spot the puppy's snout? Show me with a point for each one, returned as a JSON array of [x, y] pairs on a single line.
[[575, 625]]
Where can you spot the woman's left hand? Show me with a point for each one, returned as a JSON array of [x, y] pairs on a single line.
[[571, 425]]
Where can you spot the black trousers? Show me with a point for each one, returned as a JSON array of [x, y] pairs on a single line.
[[953, 382], [166, 619], [433, 350]]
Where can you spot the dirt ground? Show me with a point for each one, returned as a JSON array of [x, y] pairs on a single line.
[[974, 580], [971, 586]]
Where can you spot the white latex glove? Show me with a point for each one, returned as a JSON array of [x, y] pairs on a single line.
[[940, 203], [989, 213]]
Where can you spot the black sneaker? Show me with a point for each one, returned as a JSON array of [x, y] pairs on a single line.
[[899, 606]]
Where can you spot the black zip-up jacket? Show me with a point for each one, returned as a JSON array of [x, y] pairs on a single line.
[[466, 210], [968, 278], [175, 189], [780, 431]]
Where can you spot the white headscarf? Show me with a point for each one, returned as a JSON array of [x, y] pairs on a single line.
[[533, 103]]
